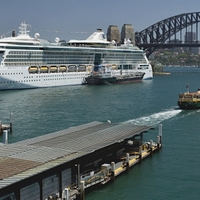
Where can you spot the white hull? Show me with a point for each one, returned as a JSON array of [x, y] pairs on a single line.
[[19, 78], [22, 79]]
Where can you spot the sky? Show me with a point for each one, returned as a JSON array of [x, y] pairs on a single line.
[[78, 19]]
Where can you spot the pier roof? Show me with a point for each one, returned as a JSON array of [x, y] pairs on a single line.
[[29, 157]]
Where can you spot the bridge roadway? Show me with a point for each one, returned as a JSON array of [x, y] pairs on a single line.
[[166, 45], [171, 30]]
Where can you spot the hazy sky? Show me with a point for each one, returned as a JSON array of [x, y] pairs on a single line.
[[77, 19]]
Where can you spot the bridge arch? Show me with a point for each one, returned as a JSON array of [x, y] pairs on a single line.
[[167, 30]]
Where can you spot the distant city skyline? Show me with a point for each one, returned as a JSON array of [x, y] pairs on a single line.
[[76, 19]]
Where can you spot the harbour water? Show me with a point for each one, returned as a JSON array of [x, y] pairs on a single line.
[[170, 174]]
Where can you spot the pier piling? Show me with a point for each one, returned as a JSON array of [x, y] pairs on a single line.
[[158, 141], [127, 161], [82, 190], [1, 128], [5, 137], [160, 133], [113, 170], [151, 146], [66, 194], [11, 114], [140, 153]]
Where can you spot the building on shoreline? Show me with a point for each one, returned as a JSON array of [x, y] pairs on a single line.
[[127, 33]]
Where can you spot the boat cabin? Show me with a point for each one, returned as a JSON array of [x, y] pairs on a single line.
[[102, 70]]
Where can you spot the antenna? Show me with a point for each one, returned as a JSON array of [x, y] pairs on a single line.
[[23, 28]]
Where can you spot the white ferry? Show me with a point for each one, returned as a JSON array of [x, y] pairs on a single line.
[[31, 62]]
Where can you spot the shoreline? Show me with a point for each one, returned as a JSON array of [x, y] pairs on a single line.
[[161, 73]]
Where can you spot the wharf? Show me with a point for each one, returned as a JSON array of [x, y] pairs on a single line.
[[134, 159], [55, 164], [125, 164]]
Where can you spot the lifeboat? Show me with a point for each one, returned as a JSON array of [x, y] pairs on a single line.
[[33, 69], [81, 68], [53, 69], [71, 68], [44, 69], [62, 68]]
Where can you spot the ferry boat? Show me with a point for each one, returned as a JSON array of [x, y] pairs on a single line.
[[189, 100], [102, 75], [31, 62]]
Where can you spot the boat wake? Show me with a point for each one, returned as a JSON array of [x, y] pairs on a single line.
[[154, 119]]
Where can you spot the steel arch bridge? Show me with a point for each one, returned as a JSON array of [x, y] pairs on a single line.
[[168, 33]]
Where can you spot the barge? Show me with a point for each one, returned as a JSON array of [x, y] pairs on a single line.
[[106, 74]]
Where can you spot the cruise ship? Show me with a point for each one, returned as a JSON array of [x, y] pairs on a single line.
[[30, 62]]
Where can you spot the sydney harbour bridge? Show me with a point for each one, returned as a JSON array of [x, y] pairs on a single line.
[[170, 33]]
